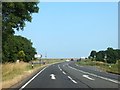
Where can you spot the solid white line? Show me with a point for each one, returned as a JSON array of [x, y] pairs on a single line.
[[78, 65], [115, 81], [32, 78]]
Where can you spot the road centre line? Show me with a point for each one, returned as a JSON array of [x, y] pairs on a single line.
[[33, 78], [59, 68], [67, 76], [72, 79], [115, 81], [63, 72]]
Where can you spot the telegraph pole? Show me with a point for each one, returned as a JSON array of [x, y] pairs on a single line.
[[45, 55]]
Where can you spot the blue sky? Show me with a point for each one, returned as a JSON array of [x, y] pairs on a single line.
[[73, 29]]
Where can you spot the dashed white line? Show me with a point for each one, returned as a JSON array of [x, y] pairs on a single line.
[[59, 68], [69, 77], [72, 79], [63, 72], [115, 81]]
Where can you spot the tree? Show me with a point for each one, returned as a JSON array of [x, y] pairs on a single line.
[[21, 55], [100, 56], [93, 54], [111, 55], [15, 44], [15, 14]]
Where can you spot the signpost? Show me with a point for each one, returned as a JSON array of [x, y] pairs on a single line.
[[38, 56]]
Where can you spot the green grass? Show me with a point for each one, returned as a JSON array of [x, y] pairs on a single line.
[[112, 68]]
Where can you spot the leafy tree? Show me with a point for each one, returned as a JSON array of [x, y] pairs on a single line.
[[21, 55], [15, 44], [14, 16], [100, 56], [111, 55], [93, 54]]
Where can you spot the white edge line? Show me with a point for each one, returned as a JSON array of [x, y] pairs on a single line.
[[32, 78], [115, 81]]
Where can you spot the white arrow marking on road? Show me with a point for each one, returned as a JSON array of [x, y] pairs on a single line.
[[86, 76], [52, 76]]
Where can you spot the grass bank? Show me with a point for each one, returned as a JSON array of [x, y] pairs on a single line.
[[112, 68], [13, 73]]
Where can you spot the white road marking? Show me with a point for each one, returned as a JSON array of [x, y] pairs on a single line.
[[86, 76], [33, 78], [52, 76], [115, 81], [59, 68], [72, 79], [63, 72], [78, 65], [69, 77]]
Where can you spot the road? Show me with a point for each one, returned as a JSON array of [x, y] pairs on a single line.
[[70, 75]]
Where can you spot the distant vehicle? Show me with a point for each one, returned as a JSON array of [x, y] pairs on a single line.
[[78, 60], [67, 60], [72, 59]]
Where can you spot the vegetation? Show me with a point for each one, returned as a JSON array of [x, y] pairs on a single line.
[[17, 47], [108, 60], [110, 55], [14, 16], [13, 73], [112, 68]]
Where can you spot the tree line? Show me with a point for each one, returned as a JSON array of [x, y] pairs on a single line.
[[109, 56], [14, 17]]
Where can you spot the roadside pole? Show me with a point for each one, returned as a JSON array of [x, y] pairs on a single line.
[[40, 60]]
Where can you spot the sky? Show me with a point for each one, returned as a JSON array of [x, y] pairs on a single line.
[[73, 29]]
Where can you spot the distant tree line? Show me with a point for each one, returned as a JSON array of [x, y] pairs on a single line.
[[109, 56], [14, 16]]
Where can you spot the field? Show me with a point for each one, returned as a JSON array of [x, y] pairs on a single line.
[[112, 68], [13, 73]]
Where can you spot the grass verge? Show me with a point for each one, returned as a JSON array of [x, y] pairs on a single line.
[[13, 73], [112, 68]]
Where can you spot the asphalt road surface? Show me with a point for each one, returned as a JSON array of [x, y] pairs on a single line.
[[70, 75]]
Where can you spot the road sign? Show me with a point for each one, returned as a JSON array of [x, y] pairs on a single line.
[[38, 56]]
